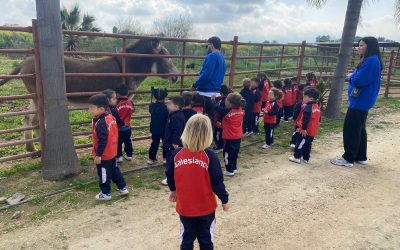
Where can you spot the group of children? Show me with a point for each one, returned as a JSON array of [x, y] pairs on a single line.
[[187, 132]]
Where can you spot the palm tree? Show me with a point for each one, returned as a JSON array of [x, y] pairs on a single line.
[[71, 20], [346, 45]]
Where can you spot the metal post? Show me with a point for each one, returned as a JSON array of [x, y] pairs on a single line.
[[281, 61], [183, 65], [301, 60], [233, 61], [123, 64], [389, 74], [38, 85], [260, 60]]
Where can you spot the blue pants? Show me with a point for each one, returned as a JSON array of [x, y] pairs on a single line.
[[287, 112], [303, 148], [296, 136], [256, 118], [269, 133], [201, 227], [155, 144], [219, 142], [124, 137], [231, 153], [108, 171]]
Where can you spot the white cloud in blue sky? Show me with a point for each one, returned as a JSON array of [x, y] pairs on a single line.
[[252, 20]]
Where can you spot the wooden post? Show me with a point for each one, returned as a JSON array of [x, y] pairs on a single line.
[[39, 85], [301, 61], [389, 74], [183, 65], [260, 60], [233, 62], [123, 60], [281, 61], [59, 159]]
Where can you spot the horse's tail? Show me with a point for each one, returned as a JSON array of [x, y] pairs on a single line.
[[15, 71]]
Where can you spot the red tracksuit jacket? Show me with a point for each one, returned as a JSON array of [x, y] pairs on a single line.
[[271, 112], [232, 124], [288, 99], [309, 118], [125, 109], [265, 92], [105, 136]]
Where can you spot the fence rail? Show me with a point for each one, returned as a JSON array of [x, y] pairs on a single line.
[[320, 58]]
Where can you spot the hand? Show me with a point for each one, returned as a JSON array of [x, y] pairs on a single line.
[[218, 124], [97, 160], [304, 133], [226, 207], [264, 110], [172, 197], [213, 97], [175, 146], [349, 73]]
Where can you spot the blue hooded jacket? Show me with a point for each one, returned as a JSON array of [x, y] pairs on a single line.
[[367, 77], [212, 73]]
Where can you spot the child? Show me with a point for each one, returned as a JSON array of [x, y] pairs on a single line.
[[278, 84], [158, 120], [296, 111], [187, 109], [311, 80], [295, 88], [198, 103], [219, 142], [174, 127], [257, 104], [248, 97], [112, 100], [264, 86], [232, 130], [309, 118], [105, 139], [288, 101], [125, 110], [194, 178], [271, 111]]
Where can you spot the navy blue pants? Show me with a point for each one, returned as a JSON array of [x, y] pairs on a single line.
[[303, 148], [201, 227], [295, 136], [287, 112], [124, 137], [269, 133], [279, 116], [108, 171], [231, 153], [256, 118], [219, 142], [155, 144], [248, 121]]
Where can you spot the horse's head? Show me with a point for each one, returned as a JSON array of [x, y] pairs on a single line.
[[151, 65]]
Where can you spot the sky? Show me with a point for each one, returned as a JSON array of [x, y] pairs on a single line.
[[251, 20]]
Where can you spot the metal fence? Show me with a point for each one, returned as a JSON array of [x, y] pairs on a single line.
[[307, 57]]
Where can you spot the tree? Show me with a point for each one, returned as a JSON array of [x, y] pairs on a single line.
[[174, 26], [128, 25], [58, 152], [72, 20], [346, 46]]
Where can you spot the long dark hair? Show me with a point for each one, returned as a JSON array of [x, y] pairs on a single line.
[[372, 49]]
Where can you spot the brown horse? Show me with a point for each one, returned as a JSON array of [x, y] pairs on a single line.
[[101, 65]]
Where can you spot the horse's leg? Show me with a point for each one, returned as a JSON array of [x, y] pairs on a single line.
[[28, 122]]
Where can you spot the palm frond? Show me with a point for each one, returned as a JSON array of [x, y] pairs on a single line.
[[316, 3]]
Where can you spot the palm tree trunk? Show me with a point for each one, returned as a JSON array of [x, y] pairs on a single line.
[[346, 46]]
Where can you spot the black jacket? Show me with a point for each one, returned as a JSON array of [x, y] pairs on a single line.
[[159, 114], [174, 129]]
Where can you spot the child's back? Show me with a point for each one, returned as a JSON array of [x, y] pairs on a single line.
[[158, 117]]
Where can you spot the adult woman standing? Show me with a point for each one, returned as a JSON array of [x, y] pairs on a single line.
[[363, 91]]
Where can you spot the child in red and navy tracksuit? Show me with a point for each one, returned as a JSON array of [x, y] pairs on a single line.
[[278, 85], [195, 178], [105, 139], [257, 104], [187, 108], [264, 87], [125, 110], [248, 97], [174, 128], [296, 112], [158, 120], [219, 142], [112, 101], [271, 111], [232, 130], [309, 119], [311, 80], [198, 103], [288, 99]]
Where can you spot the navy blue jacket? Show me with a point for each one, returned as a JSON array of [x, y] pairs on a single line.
[[296, 110], [118, 119], [248, 96], [212, 73], [174, 129], [159, 114], [189, 112], [102, 133], [367, 77]]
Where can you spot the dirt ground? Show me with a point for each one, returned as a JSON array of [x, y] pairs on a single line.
[[275, 205]]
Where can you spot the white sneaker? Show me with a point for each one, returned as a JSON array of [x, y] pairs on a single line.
[[306, 162], [120, 159], [164, 161], [246, 134], [235, 171], [292, 146], [128, 158], [294, 159], [249, 133], [265, 146], [103, 197], [340, 161], [363, 162], [164, 182], [124, 191], [151, 162], [227, 173]]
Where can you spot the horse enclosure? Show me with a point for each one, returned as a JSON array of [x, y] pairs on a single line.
[[243, 59]]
